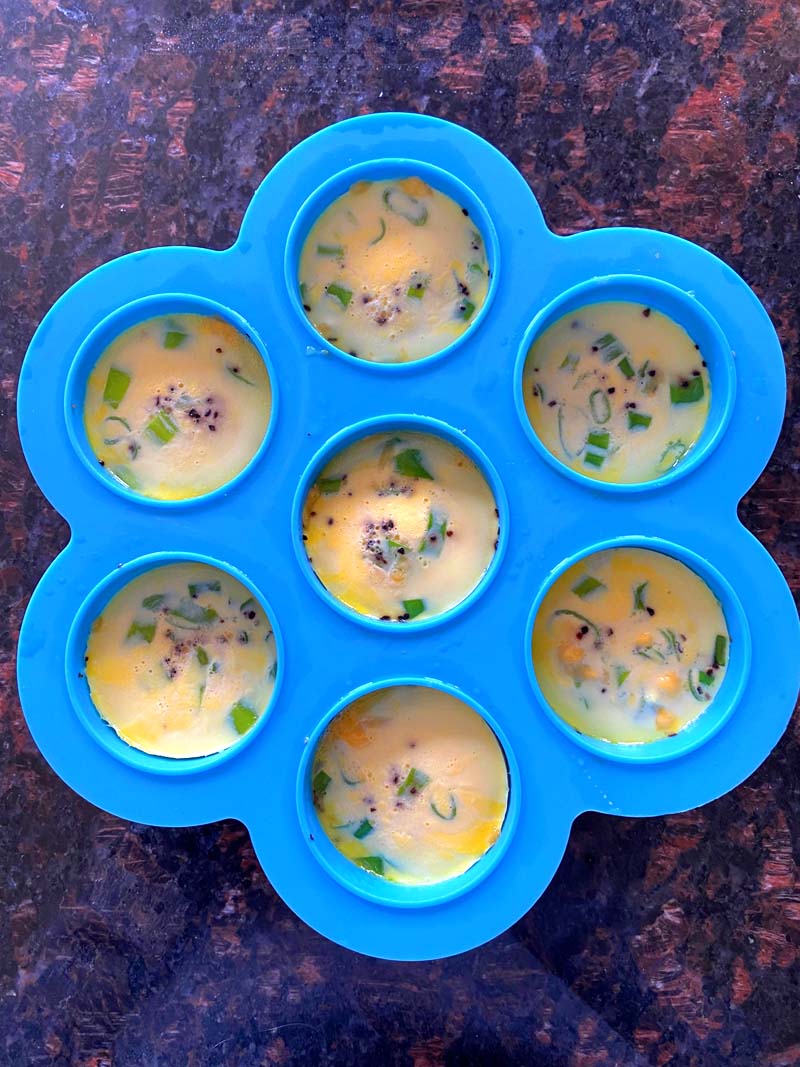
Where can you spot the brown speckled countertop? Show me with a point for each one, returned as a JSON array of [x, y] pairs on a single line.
[[123, 124]]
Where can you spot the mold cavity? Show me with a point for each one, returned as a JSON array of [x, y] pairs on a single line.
[[400, 526], [410, 784], [617, 391], [630, 646], [393, 270], [181, 661], [177, 405]]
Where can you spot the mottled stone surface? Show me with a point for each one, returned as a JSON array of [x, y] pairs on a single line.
[[132, 123]]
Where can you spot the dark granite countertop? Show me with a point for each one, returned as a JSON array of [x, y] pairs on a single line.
[[131, 123]]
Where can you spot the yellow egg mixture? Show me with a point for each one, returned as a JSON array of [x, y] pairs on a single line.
[[182, 661], [393, 271], [400, 525], [177, 406], [630, 645], [617, 391], [411, 784]]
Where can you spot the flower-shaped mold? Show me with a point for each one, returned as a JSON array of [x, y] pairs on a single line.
[[482, 651]]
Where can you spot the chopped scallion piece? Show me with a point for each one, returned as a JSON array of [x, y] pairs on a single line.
[[192, 613], [248, 605], [162, 428], [336, 251], [638, 420], [320, 783], [621, 674], [577, 615], [117, 383], [413, 608], [720, 650], [695, 689], [236, 373], [638, 597], [416, 290], [407, 207], [465, 310], [476, 268], [626, 367], [451, 814], [204, 587], [344, 296], [687, 392], [126, 475], [650, 652], [382, 234], [610, 347], [706, 679], [173, 338], [673, 647], [363, 830], [155, 600], [415, 782], [569, 362], [409, 463], [273, 671], [593, 459], [374, 864], [145, 630], [350, 781], [586, 586], [202, 656], [328, 486], [118, 418], [598, 438], [674, 452], [600, 406], [242, 717]]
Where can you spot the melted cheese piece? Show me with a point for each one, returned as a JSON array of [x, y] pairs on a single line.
[[193, 413], [182, 661], [393, 271], [409, 782], [617, 391], [391, 544], [630, 645]]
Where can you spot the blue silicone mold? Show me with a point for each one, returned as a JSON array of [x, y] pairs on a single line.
[[550, 516]]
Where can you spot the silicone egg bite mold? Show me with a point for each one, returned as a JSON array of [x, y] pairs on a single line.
[[549, 516]]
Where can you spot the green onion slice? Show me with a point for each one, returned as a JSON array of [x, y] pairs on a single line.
[[154, 601], [173, 338], [598, 438], [415, 782], [336, 251], [638, 420], [236, 373], [242, 717], [687, 392], [145, 630], [693, 687], [202, 656], [413, 608], [721, 650], [374, 864], [194, 614], [320, 783], [626, 367], [475, 268], [706, 679], [126, 476], [610, 347], [212, 586], [672, 642], [382, 234], [593, 459], [577, 615], [409, 463], [248, 605], [162, 428], [674, 452], [621, 674], [407, 207], [436, 528], [465, 310], [586, 586], [328, 486], [600, 407], [363, 830], [117, 383], [638, 597], [451, 814], [343, 295], [569, 362]]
